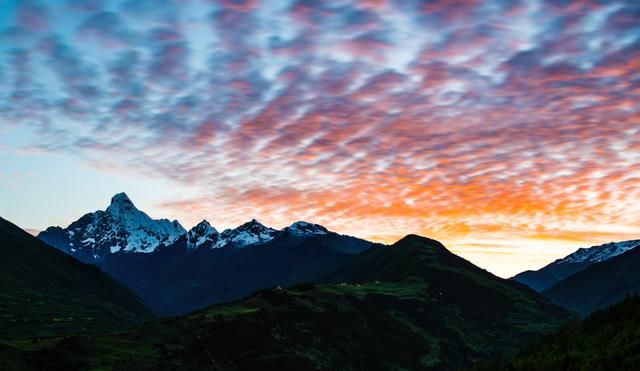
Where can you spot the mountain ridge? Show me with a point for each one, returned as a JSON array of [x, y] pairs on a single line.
[[601, 284], [573, 263], [122, 228], [435, 316], [177, 279]]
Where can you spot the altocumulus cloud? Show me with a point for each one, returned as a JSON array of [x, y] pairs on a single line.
[[449, 118]]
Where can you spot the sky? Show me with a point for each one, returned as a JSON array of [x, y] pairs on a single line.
[[508, 130]]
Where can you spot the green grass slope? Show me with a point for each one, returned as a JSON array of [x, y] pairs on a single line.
[[45, 292], [607, 340], [413, 305]]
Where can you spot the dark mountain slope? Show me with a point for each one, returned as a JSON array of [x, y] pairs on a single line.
[[581, 259], [450, 278], [44, 291], [176, 280], [432, 316], [606, 340], [600, 285], [548, 276]]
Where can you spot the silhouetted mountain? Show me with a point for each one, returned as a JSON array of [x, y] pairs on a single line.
[[44, 291], [413, 305], [606, 340], [560, 269], [178, 279], [599, 285]]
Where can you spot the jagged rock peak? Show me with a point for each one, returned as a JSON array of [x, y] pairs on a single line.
[[253, 224], [203, 228], [121, 228], [203, 233]]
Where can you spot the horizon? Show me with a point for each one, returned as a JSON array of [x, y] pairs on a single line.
[[35, 232], [509, 131]]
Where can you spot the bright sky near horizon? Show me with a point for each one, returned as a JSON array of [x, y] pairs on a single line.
[[508, 129]]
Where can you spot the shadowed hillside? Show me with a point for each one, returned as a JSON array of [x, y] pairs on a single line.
[[421, 308], [598, 286], [45, 292], [606, 340]]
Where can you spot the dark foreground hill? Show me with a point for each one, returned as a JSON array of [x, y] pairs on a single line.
[[606, 340], [413, 305], [600, 285], [44, 291]]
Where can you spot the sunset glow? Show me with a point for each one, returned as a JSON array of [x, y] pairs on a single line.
[[508, 130]]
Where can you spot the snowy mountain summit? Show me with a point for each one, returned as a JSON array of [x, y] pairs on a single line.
[[202, 234], [581, 259], [599, 253], [250, 233], [247, 234], [304, 228], [122, 228]]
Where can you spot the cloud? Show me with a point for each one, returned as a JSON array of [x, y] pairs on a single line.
[[89, 6], [76, 76], [32, 15], [152, 12], [377, 118], [240, 5], [312, 13], [107, 29], [369, 45], [169, 61]]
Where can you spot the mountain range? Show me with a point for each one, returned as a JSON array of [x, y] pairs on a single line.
[[560, 269], [301, 297], [123, 229], [411, 305], [178, 279], [590, 278], [600, 285], [177, 271]]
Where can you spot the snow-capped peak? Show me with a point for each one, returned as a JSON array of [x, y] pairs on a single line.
[[120, 203], [204, 228], [120, 228], [599, 253], [201, 234], [250, 233], [120, 198], [252, 224], [305, 228]]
